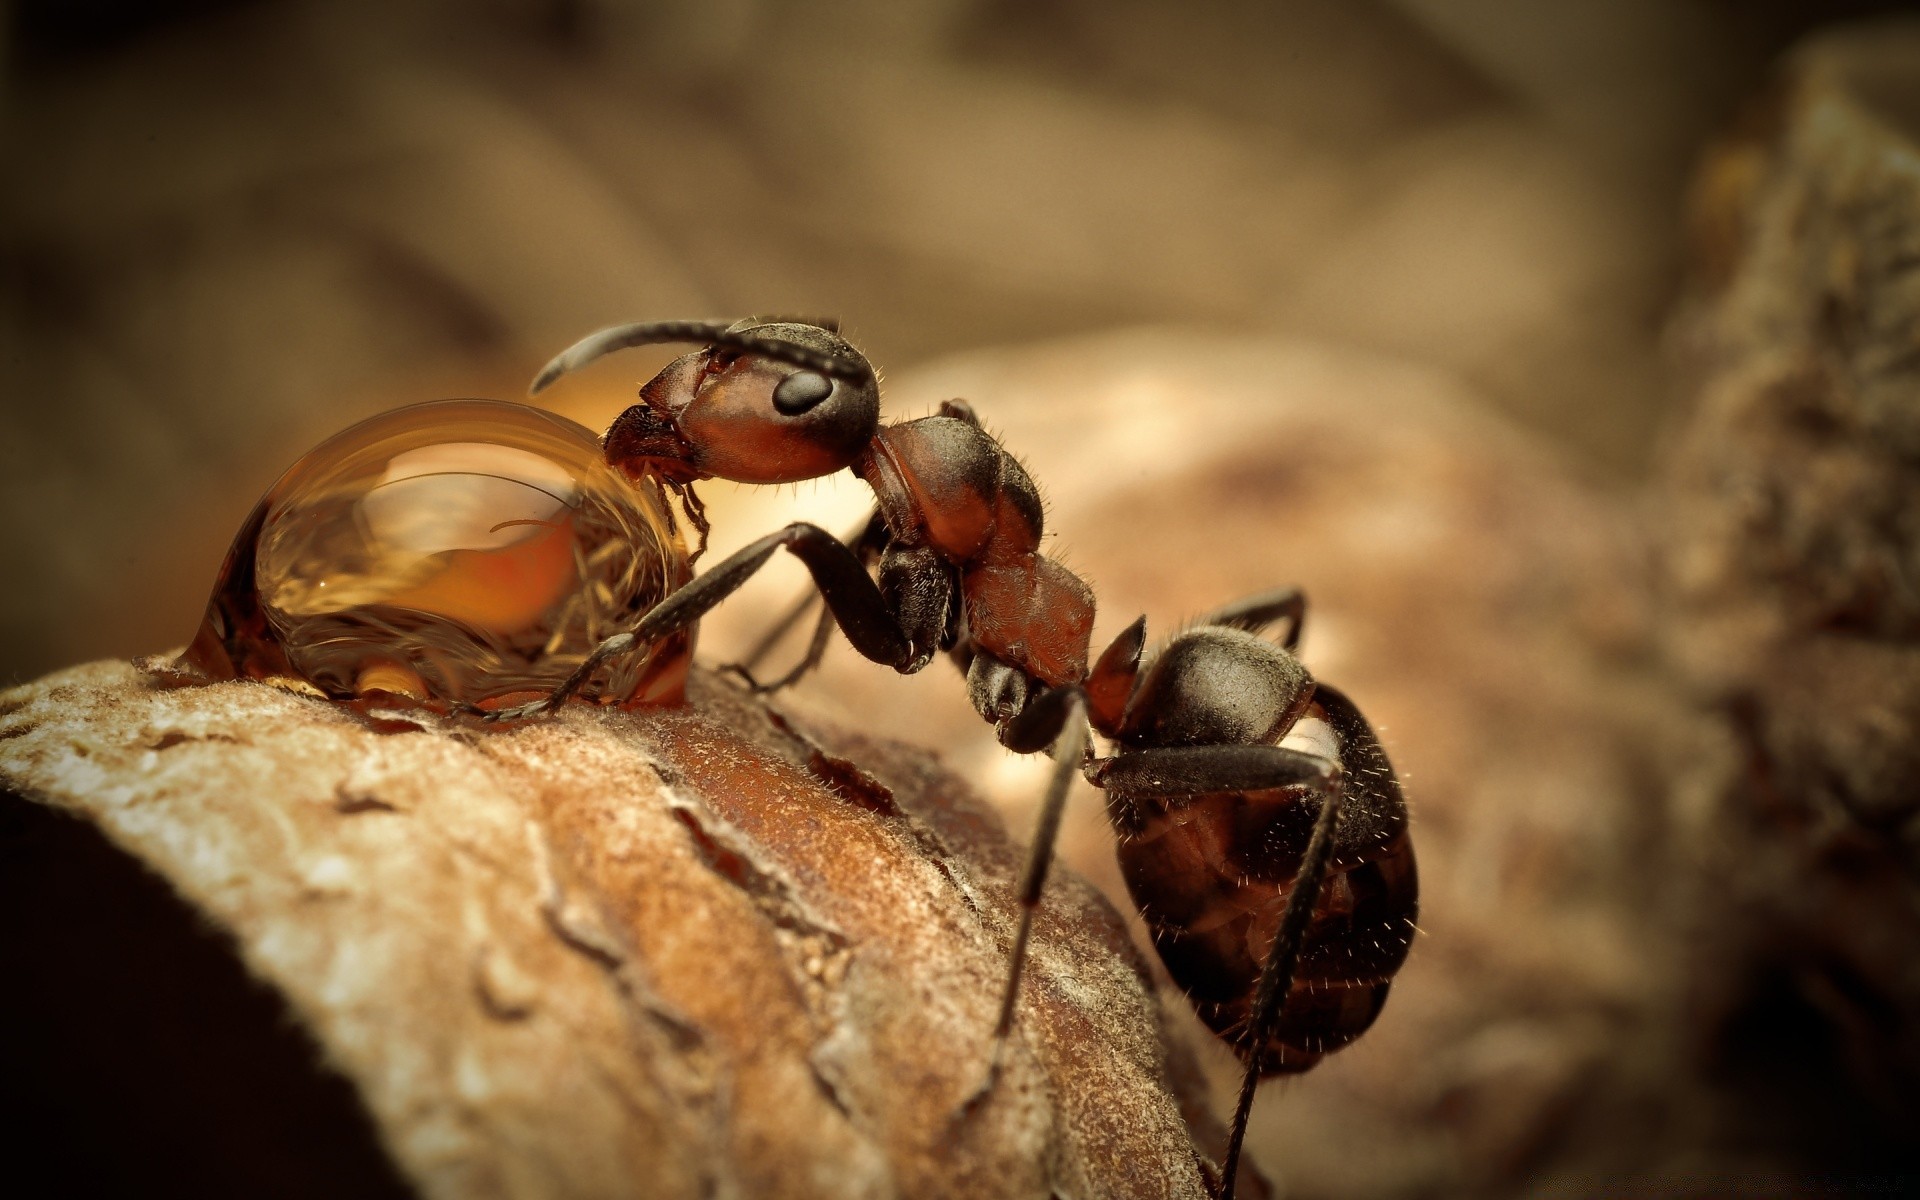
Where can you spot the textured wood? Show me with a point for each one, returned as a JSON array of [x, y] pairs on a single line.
[[689, 952]]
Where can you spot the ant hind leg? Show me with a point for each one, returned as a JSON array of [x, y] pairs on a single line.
[[1276, 974], [1186, 770], [1254, 613]]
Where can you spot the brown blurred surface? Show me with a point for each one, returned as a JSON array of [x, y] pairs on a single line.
[[1794, 556], [232, 227], [1363, 296]]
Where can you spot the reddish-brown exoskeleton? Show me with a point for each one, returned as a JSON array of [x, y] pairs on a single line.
[[1262, 832]]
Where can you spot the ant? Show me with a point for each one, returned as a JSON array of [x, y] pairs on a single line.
[[1262, 832]]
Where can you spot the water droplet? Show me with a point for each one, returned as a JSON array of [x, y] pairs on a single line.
[[462, 551]]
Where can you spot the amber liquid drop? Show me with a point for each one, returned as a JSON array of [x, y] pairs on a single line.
[[457, 552]]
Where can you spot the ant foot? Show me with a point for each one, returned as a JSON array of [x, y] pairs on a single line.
[[978, 1097], [618, 644], [519, 712], [754, 686]]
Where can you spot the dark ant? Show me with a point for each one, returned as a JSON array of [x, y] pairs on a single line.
[[1238, 786]]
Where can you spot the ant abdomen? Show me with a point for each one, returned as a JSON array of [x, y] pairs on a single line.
[[1211, 874]]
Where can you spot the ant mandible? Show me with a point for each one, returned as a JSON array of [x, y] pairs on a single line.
[[1262, 832]]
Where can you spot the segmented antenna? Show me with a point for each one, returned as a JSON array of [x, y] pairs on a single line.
[[648, 333]]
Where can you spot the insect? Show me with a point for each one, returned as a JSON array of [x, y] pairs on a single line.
[[1261, 829]]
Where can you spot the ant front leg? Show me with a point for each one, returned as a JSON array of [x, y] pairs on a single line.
[[895, 631], [1173, 772]]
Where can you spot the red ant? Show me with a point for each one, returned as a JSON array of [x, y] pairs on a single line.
[[1262, 832]]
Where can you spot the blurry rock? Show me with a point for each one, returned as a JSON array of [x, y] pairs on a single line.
[[677, 953], [1794, 554]]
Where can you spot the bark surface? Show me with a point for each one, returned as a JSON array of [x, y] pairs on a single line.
[[692, 952]]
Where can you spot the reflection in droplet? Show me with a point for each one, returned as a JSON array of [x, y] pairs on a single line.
[[461, 551]]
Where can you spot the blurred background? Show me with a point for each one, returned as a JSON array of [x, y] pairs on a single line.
[[1365, 294], [234, 226]]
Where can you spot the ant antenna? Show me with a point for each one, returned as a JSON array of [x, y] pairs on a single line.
[[830, 324], [647, 333]]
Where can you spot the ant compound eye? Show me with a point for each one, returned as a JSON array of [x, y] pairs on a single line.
[[800, 392]]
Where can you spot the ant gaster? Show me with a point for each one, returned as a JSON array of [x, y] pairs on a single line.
[[1262, 832]]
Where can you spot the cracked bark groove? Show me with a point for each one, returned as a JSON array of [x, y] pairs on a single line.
[[696, 952]]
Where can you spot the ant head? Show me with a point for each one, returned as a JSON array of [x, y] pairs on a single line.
[[766, 401]]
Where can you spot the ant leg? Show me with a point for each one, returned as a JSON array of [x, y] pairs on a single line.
[[1185, 770], [1058, 718], [1256, 612], [1195, 770], [867, 542], [960, 410], [855, 600], [1276, 976], [774, 635], [816, 650]]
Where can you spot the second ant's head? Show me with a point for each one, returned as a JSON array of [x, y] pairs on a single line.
[[766, 401]]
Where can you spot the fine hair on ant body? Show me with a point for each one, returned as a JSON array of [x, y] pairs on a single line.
[[1262, 832]]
